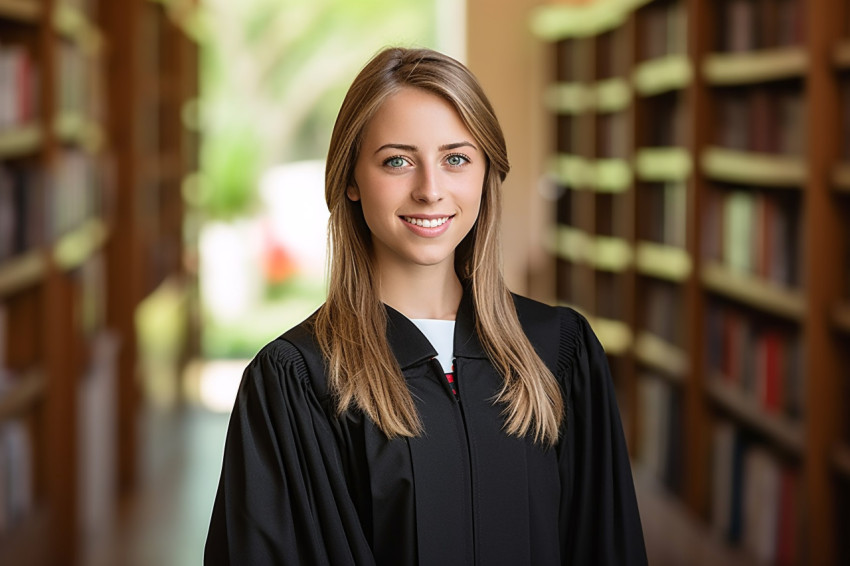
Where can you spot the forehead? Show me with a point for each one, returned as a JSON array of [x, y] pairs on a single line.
[[415, 113]]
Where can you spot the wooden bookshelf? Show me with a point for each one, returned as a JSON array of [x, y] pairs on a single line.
[[841, 459], [754, 291], [21, 141], [841, 54], [23, 392], [751, 168], [783, 432], [25, 11], [22, 272], [611, 95], [841, 177], [568, 98], [841, 316], [663, 74], [71, 279], [659, 354], [663, 164], [724, 69], [719, 109], [663, 261]]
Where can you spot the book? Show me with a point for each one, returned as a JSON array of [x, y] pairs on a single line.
[[761, 489]]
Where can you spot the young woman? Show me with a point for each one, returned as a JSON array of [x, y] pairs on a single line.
[[424, 415]]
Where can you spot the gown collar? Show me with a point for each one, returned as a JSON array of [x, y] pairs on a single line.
[[411, 347]]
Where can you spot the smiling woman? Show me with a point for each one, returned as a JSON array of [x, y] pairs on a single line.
[[424, 415], [420, 197]]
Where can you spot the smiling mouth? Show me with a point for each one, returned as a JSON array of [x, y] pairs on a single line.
[[426, 222]]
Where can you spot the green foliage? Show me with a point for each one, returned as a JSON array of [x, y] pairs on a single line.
[[273, 76]]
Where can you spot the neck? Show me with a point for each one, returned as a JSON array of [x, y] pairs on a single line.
[[422, 292]]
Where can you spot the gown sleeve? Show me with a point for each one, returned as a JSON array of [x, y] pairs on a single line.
[[282, 496], [600, 523]]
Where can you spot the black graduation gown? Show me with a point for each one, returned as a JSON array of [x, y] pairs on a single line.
[[300, 485]]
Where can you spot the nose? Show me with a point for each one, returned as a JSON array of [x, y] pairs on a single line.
[[427, 188]]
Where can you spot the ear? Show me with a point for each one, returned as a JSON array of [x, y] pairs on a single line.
[[353, 193]]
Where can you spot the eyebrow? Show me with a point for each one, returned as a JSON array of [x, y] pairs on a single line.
[[414, 149]]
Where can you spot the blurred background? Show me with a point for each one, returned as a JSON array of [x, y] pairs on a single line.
[[680, 175]]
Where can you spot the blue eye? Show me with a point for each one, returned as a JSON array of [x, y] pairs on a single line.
[[396, 162], [456, 160]]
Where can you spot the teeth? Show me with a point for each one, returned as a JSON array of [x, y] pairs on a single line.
[[425, 223]]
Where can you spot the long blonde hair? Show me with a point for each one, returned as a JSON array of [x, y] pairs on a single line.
[[351, 325]]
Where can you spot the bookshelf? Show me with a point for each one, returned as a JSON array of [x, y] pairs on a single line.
[[66, 361], [730, 278]]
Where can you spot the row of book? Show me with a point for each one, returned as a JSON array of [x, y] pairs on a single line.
[[567, 135], [662, 213], [754, 232], [21, 209], [16, 473], [612, 135], [668, 121], [660, 450], [80, 83], [611, 54], [755, 497], [97, 440], [661, 306], [612, 215], [762, 118], [761, 359], [76, 192], [745, 25], [39, 206], [610, 295], [663, 29], [91, 296], [19, 90], [570, 62]]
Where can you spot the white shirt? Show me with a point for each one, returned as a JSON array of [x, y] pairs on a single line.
[[440, 333]]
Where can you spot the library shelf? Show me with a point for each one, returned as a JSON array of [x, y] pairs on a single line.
[[841, 177], [609, 253], [612, 95], [759, 66], [26, 542], [663, 261], [784, 432], [752, 168], [22, 271], [753, 291], [573, 171], [615, 335], [569, 98], [662, 74], [675, 534], [74, 129], [841, 54], [21, 141], [660, 164], [841, 459], [841, 316], [22, 392], [28, 11], [611, 175], [653, 351], [77, 246], [555, 22], [572, 243], [71, 23]]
